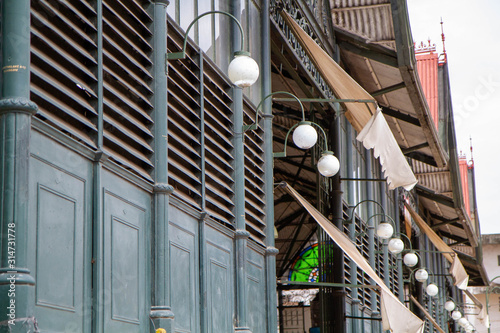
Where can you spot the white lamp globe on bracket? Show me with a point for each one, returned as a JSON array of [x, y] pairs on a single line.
[[243, 71], [463, 322], [410, 259], [449, 305], [421, 275], [385, 230], [396, 245], [432, 290], [305, 136], [328, 164], [456, 315]]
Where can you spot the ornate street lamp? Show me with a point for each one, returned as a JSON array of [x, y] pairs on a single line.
[[243, 71]]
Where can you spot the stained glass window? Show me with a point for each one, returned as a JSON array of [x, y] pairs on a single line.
[[305, 266]]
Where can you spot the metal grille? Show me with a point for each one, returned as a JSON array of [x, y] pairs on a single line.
[[63, 67], [65, 74], [218, 145], [126, 64], [201, 140], [254, 174], [184, 118]]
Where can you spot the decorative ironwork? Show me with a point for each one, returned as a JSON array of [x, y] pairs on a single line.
[[294, 11]]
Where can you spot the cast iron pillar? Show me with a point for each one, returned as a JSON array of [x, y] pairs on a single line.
[[17, 286], [241, 234], [271, 250], [339, 321], [355, 306], [161, 313]]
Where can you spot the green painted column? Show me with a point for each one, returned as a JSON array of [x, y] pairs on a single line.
[[17, 286], [161, 313], [241, 234], [271, 250], [355, 306]]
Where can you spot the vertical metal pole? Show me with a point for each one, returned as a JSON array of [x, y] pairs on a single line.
[[356, 323], [338, 218], [371, 239], [397, 220], [385, 255], [161, 313], [98, 291], [17, 286], [271, 251], [202, 223], [241, 234]]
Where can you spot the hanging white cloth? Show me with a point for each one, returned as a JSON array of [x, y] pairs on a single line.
[[377, 135]]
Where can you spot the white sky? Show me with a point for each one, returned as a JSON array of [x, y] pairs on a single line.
[[471, 29]]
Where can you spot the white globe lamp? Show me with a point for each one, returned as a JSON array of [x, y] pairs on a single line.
[[421, 275], [432, 290], [396, 245], [456, 315], [449, 305], [385, 230], [328, 164], [304, 135], [243, 71], [410, 259], [463, 322]]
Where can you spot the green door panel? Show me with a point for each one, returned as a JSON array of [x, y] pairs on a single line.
[[184, 272], [256, 292], [220, 284], [125, 256], [59, 231]]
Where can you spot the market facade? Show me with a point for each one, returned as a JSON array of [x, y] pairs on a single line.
[[145, 191]]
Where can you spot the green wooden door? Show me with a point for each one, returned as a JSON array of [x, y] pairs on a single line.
[[59, 236], [126, 283]]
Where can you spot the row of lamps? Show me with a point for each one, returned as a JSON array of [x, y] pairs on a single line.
[[243, 71]]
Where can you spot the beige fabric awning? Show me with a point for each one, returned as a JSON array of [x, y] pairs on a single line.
[[427, 314], [457, 270], [341, 83], [365, 118], [395, 316]]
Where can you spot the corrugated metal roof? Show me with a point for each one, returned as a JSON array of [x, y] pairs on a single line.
[[370, 19]]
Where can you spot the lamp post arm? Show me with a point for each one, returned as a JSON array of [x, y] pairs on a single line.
[[182, 54], [254, 125], [362, 201]]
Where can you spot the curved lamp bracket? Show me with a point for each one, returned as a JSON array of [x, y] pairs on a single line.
[[254, 125], [182, 54]]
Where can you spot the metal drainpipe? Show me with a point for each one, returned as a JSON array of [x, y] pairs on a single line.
[[428, 263], [399, 261], [16, 111], [338, 214], [161, 313], [97, 197], [383, 202], [241, 234], [355, 323], [371, 238], [271, 250]]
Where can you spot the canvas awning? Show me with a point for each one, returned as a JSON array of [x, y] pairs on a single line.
[[457, 270], [395, 316], [365, 118], [427, 314]]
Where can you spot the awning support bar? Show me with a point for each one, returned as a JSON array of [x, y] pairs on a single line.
[[328, 284], [364, 318]]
